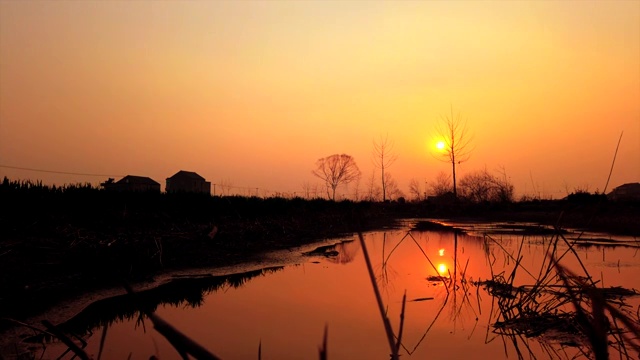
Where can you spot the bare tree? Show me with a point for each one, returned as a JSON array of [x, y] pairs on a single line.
[[482, 186], [383, 158], [225, 186], [393, 191], [306, 189], [442, 185], [476, 186], [374, 193], [505, 189], [357, 194], [336, 170], [415, 189], [455, 145], [315, 191]]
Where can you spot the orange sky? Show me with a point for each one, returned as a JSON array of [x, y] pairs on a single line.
[[253, 93]]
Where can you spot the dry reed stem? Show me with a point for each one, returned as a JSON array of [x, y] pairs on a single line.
[[68, 342], [45, 332], [182, 343], [102, 340], [323, 348], [595, 332], [385, 319], [404, 303]]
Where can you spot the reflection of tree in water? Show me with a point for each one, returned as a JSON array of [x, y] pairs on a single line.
[[346, 252], [385, 271], [185, 291], [458, 296]]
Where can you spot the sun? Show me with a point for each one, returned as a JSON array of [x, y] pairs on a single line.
[[440, 145]]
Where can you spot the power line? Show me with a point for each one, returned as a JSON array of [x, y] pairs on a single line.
[[56, 172]]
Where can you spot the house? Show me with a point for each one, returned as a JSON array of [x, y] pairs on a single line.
[[188, 181], [626, 192], [132, 183]]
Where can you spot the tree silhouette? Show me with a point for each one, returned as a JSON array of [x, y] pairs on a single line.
[[383, 158], [416, 190], [442, 184], [482, 186], [335, 170], [453, 131]]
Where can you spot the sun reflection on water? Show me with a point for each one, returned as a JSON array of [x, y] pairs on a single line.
[[442, 269]]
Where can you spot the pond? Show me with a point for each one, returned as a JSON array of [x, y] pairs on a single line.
[[471, 288]]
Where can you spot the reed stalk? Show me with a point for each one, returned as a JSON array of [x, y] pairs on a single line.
[[376, 291]]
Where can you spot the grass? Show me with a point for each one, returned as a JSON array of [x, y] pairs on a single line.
[[562, 307]]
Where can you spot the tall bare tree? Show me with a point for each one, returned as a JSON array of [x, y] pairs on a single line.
[[455, 142], [336, 170], [383, 158]]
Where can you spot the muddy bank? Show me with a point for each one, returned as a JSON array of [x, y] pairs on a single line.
[[618, 218]]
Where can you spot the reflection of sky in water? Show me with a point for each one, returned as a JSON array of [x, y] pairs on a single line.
[[286, 311]]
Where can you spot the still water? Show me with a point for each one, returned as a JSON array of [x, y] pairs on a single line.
[[450, 311]]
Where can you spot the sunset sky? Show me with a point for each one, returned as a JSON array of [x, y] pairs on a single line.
[[252, 93]]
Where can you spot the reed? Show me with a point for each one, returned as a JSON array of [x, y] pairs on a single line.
[[574, 308], [183, 344], [385, 320]]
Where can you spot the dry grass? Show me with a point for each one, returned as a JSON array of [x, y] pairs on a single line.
[[563, 309]]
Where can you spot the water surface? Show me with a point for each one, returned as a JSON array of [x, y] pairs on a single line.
[[450, 312]]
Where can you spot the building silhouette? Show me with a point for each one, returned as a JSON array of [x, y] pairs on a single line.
[[132, 183], [626, 192], [187, 181]]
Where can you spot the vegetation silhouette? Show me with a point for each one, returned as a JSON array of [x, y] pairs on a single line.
[[383, 157], [456, 143], [336, 170]]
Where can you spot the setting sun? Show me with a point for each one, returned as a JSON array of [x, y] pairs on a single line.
[[440, 145]]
